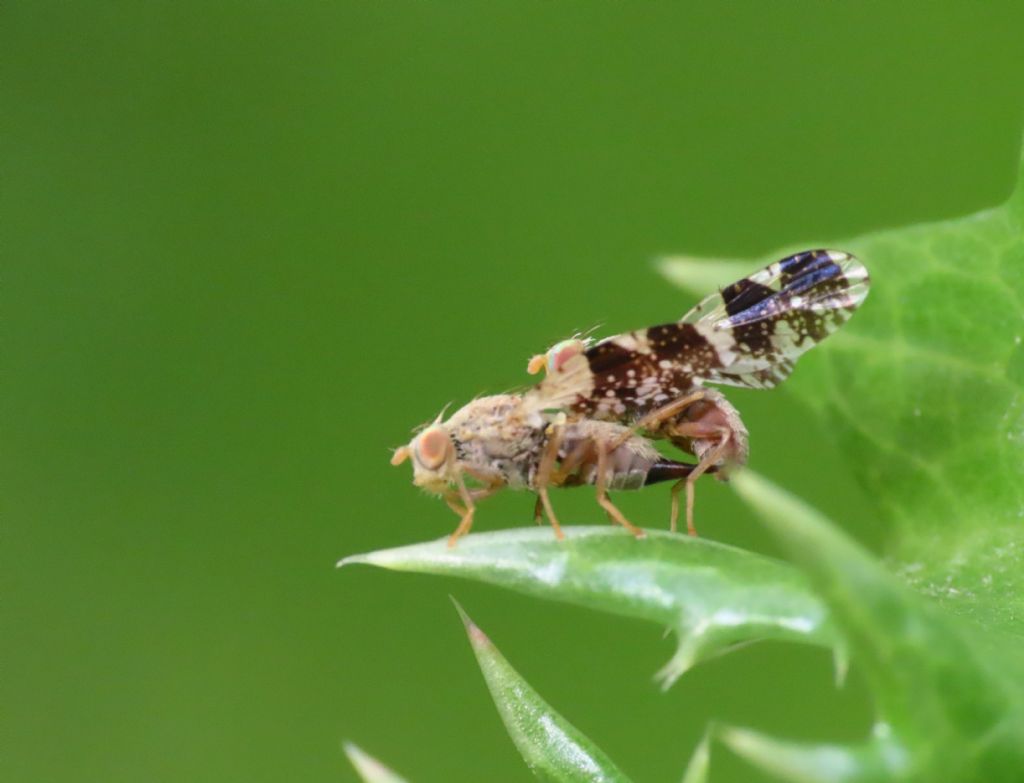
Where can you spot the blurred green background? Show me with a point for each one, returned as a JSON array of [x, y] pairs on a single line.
[[251, 245]]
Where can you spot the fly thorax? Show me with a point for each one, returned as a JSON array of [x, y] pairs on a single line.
[[496, 435]]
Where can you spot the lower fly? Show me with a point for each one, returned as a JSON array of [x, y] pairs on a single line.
[[502, 442]]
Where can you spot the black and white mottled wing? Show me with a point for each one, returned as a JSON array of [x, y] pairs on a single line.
[[779, 313], [749, 334]]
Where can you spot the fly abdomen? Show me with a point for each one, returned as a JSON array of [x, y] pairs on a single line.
[[668, 470]]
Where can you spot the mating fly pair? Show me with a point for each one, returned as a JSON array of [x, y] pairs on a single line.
[[592, 417]]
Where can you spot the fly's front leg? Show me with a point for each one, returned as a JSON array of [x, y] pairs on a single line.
[[602, 493], [544, 470], [467, 508], [451, 499]]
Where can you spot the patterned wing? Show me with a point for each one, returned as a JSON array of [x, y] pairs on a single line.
[[749, 334], [779, 313]]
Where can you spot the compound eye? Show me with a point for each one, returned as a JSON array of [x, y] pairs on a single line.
[[556, 357], [432, 448], [559, 355]]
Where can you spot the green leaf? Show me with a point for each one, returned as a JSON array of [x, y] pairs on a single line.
[[369, 769], [949, 706], [701, 276], [553, 748], [924, 392], [881, 759], [700, 762], [711, 595]]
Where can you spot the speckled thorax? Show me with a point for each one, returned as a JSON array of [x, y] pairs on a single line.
[[497, 436]]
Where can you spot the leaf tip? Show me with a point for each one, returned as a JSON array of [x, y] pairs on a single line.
[[769, 754], [680, 663], [700, 761], [350, 560], [698, 275], [883, 757], [476, 637], [395, 559], [369, 769]]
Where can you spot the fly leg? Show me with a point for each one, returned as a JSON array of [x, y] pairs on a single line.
[[465, 511], [557, 476], [573, 460], [538, 510], [602, 493], [711, 458], [654, 419], [467, 508], [544, 471]]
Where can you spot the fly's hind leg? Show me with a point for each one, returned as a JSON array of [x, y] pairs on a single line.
[[602, 493], [654, 419], [709, 460]]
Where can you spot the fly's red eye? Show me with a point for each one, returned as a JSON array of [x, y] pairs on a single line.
[[432, 448], [556, 358], [562, 353]]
